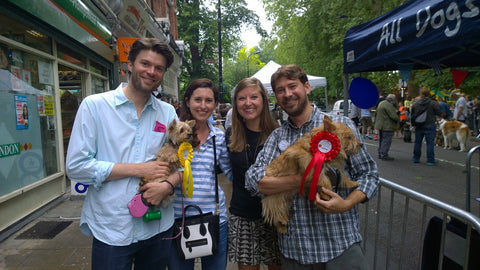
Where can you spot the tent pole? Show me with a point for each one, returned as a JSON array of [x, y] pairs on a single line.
[[326, 98], [345, 94]]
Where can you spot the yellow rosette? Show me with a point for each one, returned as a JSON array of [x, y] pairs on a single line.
[[187, 172]]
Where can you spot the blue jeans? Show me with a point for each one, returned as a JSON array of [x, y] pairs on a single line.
[[143, 254], [429, 132], [215, 262]]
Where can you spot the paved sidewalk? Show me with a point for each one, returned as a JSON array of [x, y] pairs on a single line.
[[69, 249]]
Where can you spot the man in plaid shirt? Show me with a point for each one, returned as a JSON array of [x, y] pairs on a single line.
[[320, 234]]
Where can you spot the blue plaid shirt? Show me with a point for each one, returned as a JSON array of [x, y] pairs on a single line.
[[313, 237]]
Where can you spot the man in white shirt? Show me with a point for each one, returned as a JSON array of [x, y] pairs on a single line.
[[113, 143]]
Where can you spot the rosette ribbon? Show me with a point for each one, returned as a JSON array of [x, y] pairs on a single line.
[[324, 146], [187, 171]]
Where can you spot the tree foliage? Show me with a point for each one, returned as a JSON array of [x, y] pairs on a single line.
[[198, 28]]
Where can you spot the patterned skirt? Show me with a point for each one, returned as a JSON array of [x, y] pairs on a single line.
[[252, 242]]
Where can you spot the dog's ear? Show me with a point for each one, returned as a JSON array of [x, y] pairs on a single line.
[[172, 125], [328, 124], [191, 123]]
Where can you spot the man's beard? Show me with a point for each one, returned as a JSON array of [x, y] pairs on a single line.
[[137, 84], [298, 110]]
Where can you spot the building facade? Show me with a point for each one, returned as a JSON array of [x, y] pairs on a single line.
[[53, 53]]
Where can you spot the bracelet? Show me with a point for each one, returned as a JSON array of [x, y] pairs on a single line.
[[173, 188]]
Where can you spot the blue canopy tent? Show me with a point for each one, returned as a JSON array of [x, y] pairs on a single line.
[[419, 34]]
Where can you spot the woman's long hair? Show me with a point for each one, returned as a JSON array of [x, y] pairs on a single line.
[[267, 123]]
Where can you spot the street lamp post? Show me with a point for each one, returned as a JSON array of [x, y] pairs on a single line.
[[220, 76]]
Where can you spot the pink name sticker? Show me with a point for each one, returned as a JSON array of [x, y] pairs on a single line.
[[159, 127]]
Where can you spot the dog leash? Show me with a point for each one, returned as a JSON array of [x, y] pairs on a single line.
[[183, 215]]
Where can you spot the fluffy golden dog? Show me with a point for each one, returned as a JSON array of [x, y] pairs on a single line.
[[177, 133], [295, 159], [455, 130]]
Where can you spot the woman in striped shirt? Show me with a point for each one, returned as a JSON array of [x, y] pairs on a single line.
[[199, 102]]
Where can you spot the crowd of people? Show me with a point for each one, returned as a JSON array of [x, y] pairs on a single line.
[[111, 156], [393, 115]]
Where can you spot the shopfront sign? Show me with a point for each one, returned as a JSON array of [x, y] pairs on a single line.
[[135, 16], [7, 150]]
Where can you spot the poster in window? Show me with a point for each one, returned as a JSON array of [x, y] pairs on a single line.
[[27, 76], [16, 78], [21, 107]]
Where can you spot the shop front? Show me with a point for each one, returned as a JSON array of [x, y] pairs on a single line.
[[49, 61]]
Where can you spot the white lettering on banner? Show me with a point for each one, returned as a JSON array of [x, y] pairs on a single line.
[[390, 36], [391, 31]]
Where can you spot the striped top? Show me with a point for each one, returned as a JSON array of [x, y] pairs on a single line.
[[203, 172]]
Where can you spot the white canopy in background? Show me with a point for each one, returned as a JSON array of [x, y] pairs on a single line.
[[265, 73]]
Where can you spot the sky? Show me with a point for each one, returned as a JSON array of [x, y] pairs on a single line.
[[249, 36]]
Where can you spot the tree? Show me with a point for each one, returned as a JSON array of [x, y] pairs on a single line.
[[245, 64], [198, 28], [310, 33]]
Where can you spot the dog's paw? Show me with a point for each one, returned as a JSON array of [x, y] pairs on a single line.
[[281, 228]]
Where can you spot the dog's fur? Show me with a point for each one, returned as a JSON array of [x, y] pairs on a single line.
[[454, 130], [295, 159], [439, 140], [177, 133]]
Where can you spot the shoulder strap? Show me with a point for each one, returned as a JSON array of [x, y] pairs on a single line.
[[215, 173]]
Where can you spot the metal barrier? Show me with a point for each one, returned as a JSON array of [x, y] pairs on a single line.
[[469, 174], [394, 223]]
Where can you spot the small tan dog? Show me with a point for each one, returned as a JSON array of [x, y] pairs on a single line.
[[454, 130], [177, 133], [295, 159]]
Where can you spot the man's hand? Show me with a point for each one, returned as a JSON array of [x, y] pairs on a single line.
[[154, 170], [337, 204], [154, 193]]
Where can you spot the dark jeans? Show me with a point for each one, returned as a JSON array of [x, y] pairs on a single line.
[[144, 254], [429, 132]]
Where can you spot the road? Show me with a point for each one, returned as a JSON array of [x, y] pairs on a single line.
[[445, 182]]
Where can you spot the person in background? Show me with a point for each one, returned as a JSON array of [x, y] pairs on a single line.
[[355, 114], [199, 102], [366, 120], [428, 129], [114, 140], [386, 121], [228, 119], [251, 242], [445, 109], [321, 234], [381, 98], [460, 112], [476, 115]]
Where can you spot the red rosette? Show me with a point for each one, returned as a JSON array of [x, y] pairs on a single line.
[[324, 146]]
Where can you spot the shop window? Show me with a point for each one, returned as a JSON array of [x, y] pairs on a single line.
[[14, 30], [97, 68], [70, 55], [98, 85], [28, 148], [71, 95]]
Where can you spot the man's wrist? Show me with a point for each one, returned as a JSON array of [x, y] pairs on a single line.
[[168, 182]]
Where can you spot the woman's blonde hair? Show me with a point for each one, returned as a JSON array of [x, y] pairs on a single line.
[[267, 123]]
